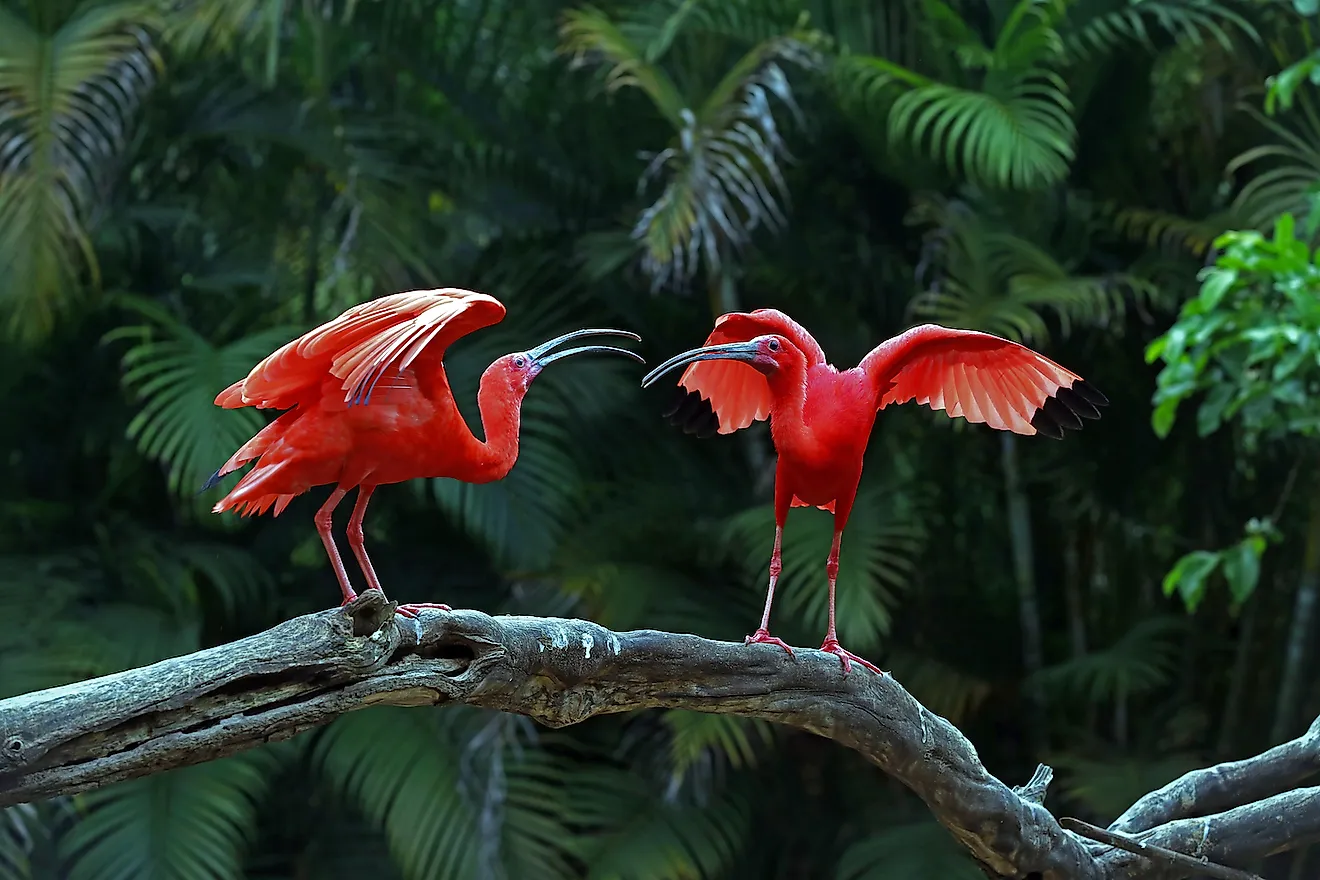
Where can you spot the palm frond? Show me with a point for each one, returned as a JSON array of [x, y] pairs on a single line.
[[1109, 785], [993, 280], [722, 175], [630, 833], [1012, 129], [68, 100], [697, 734], [195, 822], [921, 850], [942, 688], [1189, 22], [1285, 174], [176, 373], [1141, 661], [401, 770]]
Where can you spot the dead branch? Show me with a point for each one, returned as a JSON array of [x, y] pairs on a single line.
[[309, 670]]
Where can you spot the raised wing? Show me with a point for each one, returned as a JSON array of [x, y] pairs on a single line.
[[738, 395], [981, 378], [362, 345]]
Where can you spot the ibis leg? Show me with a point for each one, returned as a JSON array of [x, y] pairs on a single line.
[[356, 540], [356, 537], [324, 519], [762, 635], [831, 643]]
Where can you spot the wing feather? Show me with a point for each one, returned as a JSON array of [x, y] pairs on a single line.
[[362, 345], [982, 378], [738, 394]]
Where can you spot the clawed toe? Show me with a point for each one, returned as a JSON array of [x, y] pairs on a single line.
[[763, 637], [846, 657], [410, 610]]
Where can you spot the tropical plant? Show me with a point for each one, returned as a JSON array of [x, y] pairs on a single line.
[[186, 185]]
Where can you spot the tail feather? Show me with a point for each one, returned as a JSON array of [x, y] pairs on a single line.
[[253, 449]]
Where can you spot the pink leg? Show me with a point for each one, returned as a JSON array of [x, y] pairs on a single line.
[[357, 542], [324, 519], [831, 643], [762, 635]]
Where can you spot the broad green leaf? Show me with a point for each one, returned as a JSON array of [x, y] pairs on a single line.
[[1188, 577]]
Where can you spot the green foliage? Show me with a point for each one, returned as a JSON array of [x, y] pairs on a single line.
[[1250, 341], [197, 821], [1140, 662], [176, 374], [1008, 123], [248, 169], [70, 90], [723, 179], [1239, 564], [917, 850]]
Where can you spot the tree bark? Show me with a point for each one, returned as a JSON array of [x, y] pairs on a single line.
[[1299, 631], [308, 670]]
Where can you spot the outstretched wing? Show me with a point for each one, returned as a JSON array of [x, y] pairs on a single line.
[[362, 345], [982, 378], [738, 395]]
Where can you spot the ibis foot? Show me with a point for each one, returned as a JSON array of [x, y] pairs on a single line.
[[411, 609], [846, 657], [763, 637]]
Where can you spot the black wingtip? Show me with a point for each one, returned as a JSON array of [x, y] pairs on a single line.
[[1066, 410], [211, 482], [693, 413], [1089, 393]]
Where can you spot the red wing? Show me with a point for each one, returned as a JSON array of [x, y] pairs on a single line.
[[360, 345], [981, 378], [738, 394]]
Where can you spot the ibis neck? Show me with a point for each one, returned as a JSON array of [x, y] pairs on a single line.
[[501, 411], [788, 388]]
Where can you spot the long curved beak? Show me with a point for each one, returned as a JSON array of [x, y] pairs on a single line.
[[542, 355], [730, 351]]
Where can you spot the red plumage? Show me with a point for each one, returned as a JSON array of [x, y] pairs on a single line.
[[763, 364], [369, 404]]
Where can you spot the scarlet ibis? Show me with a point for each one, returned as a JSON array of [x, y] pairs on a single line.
[[764, 364], [369, 403]]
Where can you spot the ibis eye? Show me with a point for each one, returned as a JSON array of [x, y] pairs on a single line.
[[774, 345], [520, 362]]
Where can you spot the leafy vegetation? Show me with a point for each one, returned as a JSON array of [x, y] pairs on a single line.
[[186, 185]]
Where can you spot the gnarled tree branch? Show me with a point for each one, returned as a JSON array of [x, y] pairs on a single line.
[[309, 670]]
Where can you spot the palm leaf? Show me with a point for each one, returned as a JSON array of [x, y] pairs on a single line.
[[175, 373], [1286, 173], [1109, 785], [67, 103], [629, 833], [195, 823], [922, 850], [697, 734], [722, 174], [993, 280], [401, 770], [942, 688], [1012, 129], [1189, 22], [1141, 661]]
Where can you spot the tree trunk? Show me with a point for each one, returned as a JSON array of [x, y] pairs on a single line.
[[1019, 528], [1294, 660], [1237, 682]]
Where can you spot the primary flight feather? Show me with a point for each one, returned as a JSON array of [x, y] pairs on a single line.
[[369, 403], [763, 364]]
